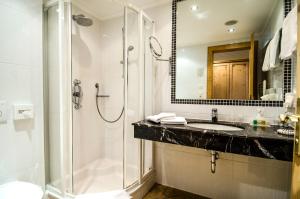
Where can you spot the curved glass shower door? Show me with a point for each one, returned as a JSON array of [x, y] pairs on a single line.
[[95, 89], [101, 80]]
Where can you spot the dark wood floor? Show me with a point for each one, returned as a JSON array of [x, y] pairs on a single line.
[[162, 192]]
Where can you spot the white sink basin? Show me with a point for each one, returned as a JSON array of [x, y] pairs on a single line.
[[218, 127]]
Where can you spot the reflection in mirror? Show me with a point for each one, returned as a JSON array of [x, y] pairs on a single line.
[[229, 49]]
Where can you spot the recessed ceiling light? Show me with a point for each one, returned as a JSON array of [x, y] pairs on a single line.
[[231, 22], [231, 30], [194, 8]]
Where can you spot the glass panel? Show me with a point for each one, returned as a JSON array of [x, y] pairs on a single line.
[[148, 97], [57, 104], [53, 97], [134, 97], [97, 54]]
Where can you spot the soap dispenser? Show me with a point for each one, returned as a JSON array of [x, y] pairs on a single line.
[[259, 119]]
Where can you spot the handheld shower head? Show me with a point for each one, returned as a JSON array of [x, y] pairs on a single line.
[[130, 48]]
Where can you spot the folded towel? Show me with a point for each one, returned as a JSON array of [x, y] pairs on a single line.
[[174, 120], [289, 35], [159, 117], [289, 100], [272, 96]]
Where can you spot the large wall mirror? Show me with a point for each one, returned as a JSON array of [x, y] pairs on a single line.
[[229, 51]]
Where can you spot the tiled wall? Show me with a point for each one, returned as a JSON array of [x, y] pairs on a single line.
[[236, 177], [97, 52], [96, 55], [21, 82]]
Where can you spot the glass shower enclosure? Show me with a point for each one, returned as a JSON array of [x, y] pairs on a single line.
[[98, 78]]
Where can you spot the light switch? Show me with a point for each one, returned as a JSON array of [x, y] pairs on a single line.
[[3, 111], [23, 111]]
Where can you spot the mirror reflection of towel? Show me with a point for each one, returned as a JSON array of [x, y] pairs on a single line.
[[289, 35], [272, 53], [274, 50], [266, 64]]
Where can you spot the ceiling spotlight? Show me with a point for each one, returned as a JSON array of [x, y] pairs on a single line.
[[231, 30], [194, 8], [231, 22]]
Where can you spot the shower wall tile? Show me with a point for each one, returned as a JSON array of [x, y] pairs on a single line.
[[96, 55], [21, 82], [89, 142], [236, 176]]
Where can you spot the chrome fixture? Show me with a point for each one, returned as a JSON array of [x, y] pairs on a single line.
[[98, 109], [214, 115], [157, 52], [82, 20], [214, 158], [130, 48], [77, 94], [287, 118]]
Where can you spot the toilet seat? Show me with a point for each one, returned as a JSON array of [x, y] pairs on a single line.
[[20, 190]]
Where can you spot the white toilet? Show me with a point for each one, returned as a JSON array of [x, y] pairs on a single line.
[[20, 190]]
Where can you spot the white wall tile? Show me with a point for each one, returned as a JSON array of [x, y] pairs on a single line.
[[21, 81]]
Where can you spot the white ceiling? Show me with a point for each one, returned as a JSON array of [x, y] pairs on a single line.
[[207, 24], [105, 9]]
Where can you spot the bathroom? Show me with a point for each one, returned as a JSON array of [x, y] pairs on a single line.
[[149, 99]]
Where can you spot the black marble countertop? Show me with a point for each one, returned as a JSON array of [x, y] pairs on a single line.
[[262, 142]]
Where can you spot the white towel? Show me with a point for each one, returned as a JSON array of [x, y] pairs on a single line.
[[159, 117], [272, 53], [289, 35], [274, 50], [175, 120], [272, 96], [266, 64]]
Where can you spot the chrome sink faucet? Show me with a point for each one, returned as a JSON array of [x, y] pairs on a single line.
[[214, 115]]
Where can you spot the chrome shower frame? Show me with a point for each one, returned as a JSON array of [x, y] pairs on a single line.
[[65, 190]]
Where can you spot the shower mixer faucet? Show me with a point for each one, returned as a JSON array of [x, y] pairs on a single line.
[[77, 94]]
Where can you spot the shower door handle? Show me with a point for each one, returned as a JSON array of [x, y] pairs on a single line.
[[77, 94]]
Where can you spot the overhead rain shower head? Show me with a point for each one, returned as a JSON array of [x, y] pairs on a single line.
[[82, 20]]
